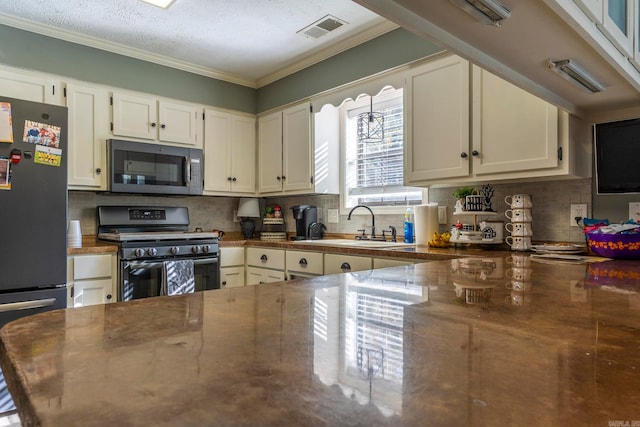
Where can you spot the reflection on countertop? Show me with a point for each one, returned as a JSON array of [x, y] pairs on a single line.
[[402, 346]]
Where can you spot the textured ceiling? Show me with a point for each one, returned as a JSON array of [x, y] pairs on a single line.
[[250, 42]]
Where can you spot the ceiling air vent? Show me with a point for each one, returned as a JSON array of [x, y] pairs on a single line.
[[322, 26]]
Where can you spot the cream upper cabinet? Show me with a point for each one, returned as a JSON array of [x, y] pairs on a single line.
[[436, 105], [512, 129], [30, 86], [285, 150], [619, 22], [230, 153], [146, 117], [88, 132], [511, 135]]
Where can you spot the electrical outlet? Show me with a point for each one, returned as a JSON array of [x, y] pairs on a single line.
[[235, 216], [442, 214], [333, 216], [634, 211], [578, 210]]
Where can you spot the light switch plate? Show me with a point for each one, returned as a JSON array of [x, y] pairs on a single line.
[[442, 214], [333, 216], [634, 211]]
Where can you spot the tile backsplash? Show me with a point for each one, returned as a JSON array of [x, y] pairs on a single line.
[[551, 208]]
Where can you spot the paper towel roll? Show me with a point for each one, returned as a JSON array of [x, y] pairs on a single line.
[[425, 222]]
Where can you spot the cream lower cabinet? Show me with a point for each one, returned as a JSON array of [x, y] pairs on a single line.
[[88, 132], [232, 267], [337, 263], [91, 279], [265, 265], [304, 264], [230, 153]]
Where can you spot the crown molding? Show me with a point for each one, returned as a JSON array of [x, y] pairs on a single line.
[[120, 49], [383, 26], [376, 30]]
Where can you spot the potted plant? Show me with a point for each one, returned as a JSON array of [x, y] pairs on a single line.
[[462, 192]]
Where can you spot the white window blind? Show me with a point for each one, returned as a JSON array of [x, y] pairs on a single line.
[[374, 171]]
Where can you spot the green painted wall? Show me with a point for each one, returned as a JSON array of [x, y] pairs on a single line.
[[24, 49], [382, 53], [27, 50]]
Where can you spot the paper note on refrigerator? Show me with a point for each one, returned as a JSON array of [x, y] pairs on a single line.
[[6, 129]]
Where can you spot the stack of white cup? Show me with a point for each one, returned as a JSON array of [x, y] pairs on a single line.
[[520, 226], [74, 234]]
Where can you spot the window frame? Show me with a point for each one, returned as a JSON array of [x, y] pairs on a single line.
[[363, 102]]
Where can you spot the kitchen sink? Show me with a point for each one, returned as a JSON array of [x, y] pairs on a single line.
[[353, 243]]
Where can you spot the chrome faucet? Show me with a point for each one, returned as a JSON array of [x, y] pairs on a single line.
[[373, 219]]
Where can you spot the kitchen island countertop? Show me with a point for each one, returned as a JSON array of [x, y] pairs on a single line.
[[441, 343]]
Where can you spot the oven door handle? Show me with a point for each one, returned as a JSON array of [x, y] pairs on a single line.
[[27, 305]]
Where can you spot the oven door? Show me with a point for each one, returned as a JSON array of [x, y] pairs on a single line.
[[143, 279]]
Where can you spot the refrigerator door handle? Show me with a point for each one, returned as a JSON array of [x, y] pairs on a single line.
[[26, 305]]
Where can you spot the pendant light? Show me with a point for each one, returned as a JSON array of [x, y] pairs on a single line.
[[370, 126]]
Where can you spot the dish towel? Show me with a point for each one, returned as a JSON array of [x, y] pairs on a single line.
[[178, 277]]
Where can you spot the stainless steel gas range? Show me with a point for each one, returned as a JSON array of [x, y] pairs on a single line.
[[157, 247]]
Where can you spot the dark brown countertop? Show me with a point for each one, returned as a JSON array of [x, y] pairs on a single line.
[[443, 343]]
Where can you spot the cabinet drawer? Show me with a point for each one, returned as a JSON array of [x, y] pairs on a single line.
[[91, 266], [334, 263], [304, 262], [266, 258], [231, 256]]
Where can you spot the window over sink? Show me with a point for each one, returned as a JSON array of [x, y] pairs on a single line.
[[373, 171]]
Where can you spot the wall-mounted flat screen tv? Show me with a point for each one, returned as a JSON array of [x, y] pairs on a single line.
[[617, 147]]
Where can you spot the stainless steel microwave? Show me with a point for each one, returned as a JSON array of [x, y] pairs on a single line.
[[139, 167]]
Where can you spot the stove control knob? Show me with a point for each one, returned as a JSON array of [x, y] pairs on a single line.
[[195, 249], [205, 249], [139, 252], [174, 250], [152, 252]]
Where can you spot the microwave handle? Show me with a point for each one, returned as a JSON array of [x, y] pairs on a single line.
[[187, 170]]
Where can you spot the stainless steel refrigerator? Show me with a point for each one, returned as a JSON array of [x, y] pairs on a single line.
[[33, 212]]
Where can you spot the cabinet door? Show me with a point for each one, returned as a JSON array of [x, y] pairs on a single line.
[[618, 23], [243, 154], [88, 131], [90, 292], [297, 148], [436, 105], [270, 153], [217, 151], [134, 116], [256, 276], [23, 85], [231, 277], [512, 129], [178, 122], [334, 263]]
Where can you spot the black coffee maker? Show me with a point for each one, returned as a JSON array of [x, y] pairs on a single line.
[[305, 216]]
